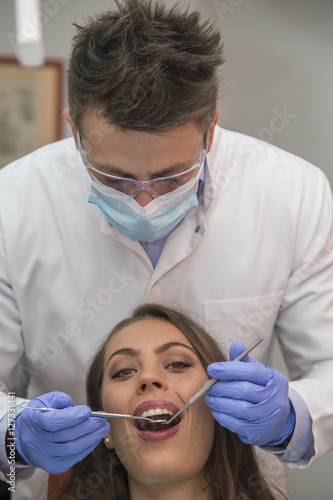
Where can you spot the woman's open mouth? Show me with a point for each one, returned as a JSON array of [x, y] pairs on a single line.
[[156, 414], [156, 410]]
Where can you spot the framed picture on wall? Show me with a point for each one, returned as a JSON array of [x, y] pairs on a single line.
[[30, 107]]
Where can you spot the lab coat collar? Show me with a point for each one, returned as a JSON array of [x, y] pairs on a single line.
[[182, 240]]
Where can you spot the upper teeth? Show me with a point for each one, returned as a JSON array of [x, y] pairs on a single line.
[[156, 411]]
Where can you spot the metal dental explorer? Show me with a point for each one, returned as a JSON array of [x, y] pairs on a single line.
[[214, 380], [102, 414]]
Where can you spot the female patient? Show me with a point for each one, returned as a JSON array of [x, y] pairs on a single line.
[[152, 364]]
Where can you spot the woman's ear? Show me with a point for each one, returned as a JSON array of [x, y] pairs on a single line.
[[108, 441]]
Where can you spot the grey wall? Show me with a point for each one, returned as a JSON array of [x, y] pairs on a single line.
[[279, 61]]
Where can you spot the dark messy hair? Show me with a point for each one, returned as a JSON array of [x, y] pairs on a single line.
[[144, 67], [231, 471]]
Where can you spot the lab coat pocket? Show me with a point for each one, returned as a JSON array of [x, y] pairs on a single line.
[[244, 319]]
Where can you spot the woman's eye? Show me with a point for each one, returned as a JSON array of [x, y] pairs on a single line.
[[123, 372], [179, 365]]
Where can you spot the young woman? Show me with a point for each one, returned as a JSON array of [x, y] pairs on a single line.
[[151, 364]]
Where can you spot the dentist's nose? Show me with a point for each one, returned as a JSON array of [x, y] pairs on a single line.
[[143, 198]]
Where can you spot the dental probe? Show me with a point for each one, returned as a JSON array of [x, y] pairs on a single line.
[[103, 414], [214, 380]]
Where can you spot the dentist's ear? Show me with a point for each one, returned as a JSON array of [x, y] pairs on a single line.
[[212, 129], [68, 119]]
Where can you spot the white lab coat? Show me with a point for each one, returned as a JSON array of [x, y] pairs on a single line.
[[255, 257]]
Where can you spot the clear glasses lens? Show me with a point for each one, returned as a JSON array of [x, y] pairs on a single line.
[[125, 186], [156, 187]]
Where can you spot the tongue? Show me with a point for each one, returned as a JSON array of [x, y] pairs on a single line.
[[144, 425]]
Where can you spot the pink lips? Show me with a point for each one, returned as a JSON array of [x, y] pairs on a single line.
[[156, 435]]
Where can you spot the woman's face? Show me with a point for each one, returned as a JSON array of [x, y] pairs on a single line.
[[151, 367]]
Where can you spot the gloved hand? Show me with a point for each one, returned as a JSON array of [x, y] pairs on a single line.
[[251, 400], [55, 440]]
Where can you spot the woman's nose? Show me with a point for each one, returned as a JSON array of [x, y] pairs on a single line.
[[146, 385], [151, 382]]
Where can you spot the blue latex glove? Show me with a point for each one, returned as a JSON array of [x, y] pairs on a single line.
[[251, 400], [56, 440]]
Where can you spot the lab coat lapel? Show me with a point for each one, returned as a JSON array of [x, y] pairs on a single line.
[[185, 238], [135, 246], [181, 243]]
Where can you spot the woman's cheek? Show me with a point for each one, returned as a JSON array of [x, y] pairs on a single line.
[[195, 385], [108, 400], [114, 401]]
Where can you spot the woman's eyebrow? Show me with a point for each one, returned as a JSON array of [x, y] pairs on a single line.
[[126, 350], [168, 345]]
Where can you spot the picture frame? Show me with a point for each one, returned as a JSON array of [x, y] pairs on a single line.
[[31, 102]]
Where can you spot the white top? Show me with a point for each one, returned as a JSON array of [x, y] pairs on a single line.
[[254, 256]]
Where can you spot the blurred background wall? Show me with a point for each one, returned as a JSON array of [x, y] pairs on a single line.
[[277, 85]]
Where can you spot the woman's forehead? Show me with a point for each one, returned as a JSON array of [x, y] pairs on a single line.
[[147, 333]]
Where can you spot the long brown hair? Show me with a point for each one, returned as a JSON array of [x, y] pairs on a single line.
[[231, 471]]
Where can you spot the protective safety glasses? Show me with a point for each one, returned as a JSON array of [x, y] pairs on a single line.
[[155, 187]]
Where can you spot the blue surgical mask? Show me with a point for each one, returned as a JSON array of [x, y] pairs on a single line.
[[148, 223]]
